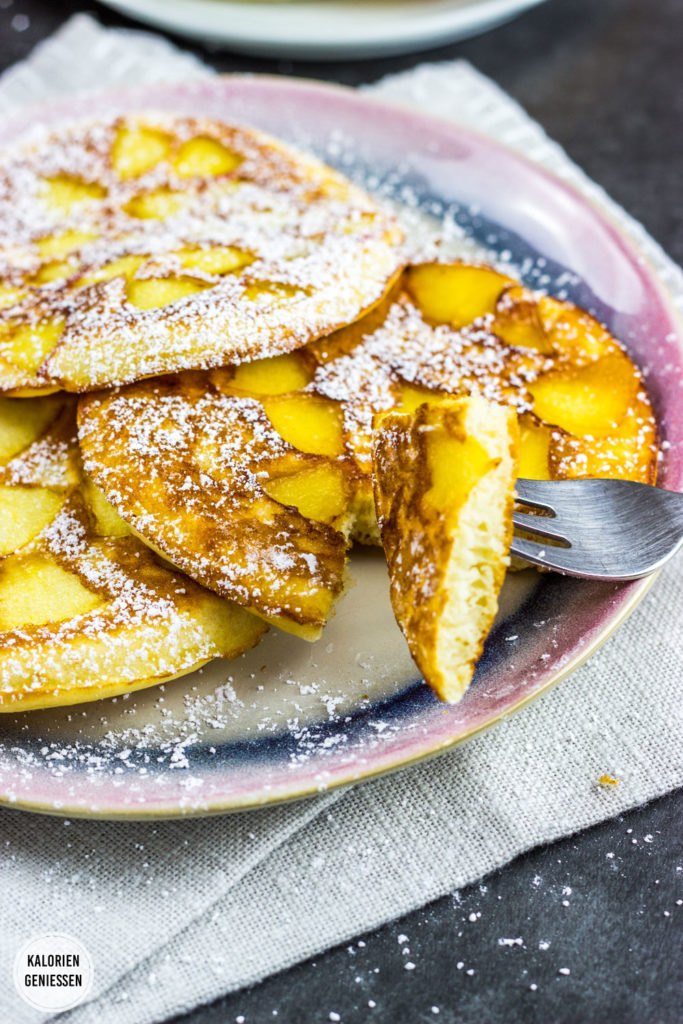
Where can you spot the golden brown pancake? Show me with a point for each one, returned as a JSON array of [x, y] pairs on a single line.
[[86, 610], [146, 244], [251, 478], [194, 474], [444, 479]]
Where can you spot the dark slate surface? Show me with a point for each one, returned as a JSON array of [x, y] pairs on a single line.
[[604, 78]]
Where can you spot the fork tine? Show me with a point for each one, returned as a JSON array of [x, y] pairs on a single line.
[[534, 552], [573, 561], [544, 526], [537, 493], [566, 561]]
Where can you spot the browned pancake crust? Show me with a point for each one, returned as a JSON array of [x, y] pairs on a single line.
[[190, 481]]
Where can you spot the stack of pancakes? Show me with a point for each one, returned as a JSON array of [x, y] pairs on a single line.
[[263, 382]]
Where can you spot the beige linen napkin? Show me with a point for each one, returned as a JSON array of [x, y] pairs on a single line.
[[176, 913]]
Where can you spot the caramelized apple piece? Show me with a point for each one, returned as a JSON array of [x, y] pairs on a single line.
[[455, 293], [125, 266], [626, 453], [450, 487], [26, 345], [534, 449], [53, 246], [153, 292], [215, 259], [64, 192], [589, 400], [57, 270], [35, 590], [308, 423], [410, 397], [271, 290], [518, 321], [318, 492], [443, 482], [24, 513], [159, 204], [9, 295], [273, 376], [319, 607], [206, 158], [137, 149], [22, 421], [107, 521], [573, 331]]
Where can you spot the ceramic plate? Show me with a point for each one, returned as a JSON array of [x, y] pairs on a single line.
[[330, 29], [291, 718]]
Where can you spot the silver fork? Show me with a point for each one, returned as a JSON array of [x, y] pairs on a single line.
[[600, 529]]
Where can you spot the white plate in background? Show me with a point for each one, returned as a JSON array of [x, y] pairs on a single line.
[[324, 29]]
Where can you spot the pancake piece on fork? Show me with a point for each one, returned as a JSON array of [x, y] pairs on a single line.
[[86, 610], [143, 244], [444, 479], [255, 478]]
